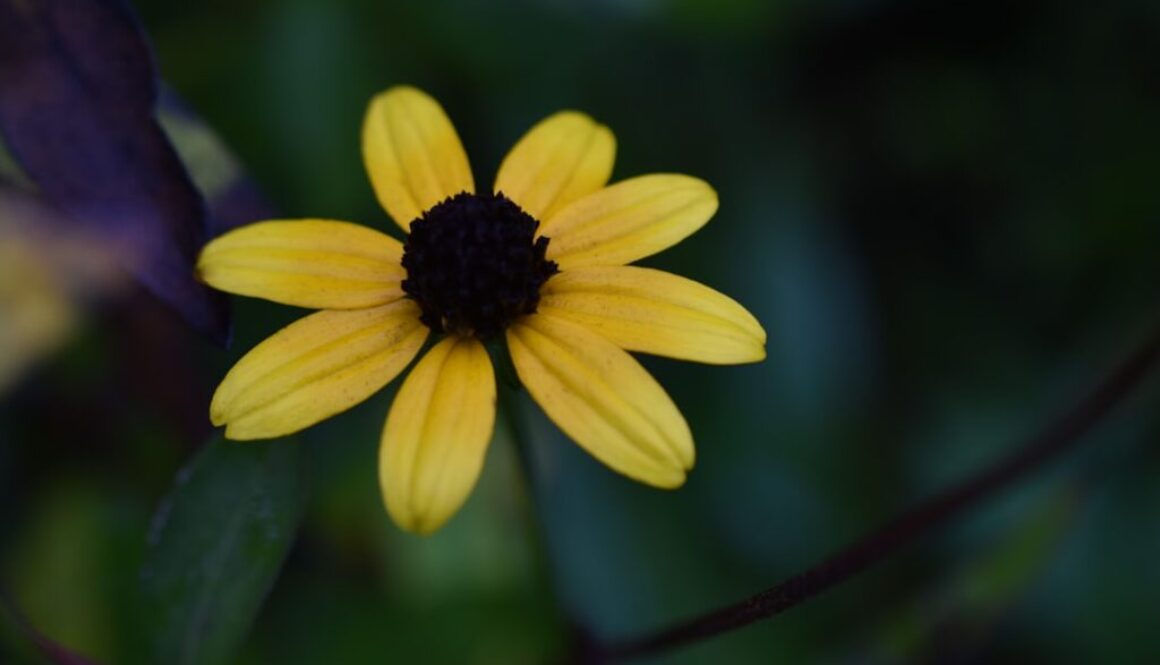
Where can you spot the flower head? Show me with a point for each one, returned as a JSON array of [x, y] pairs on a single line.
[[540, 260]]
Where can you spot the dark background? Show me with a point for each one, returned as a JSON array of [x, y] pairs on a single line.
[[946, 217]]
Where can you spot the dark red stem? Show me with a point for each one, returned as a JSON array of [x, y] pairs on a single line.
[[1051, 442]]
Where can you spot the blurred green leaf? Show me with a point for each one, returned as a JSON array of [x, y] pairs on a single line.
[[215, 547], [57, 584], [959, 615], [49, 649]]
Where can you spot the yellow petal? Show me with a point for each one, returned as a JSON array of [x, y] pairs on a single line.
[[629, 220], [412, 153], [436, 435], [602, 399], [647, 310], [564, 157], [313, 263], [316, 367]]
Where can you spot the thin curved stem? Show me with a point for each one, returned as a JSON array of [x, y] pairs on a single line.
[[1056, 438]]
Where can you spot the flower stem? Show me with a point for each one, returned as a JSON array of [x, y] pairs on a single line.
[[510, 408], [1056, 438]]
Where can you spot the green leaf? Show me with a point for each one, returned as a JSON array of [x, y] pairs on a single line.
[[215, 547], [959, 613]]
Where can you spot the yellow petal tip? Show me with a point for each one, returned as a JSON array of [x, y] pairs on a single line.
[[670, 482], [419, 525], [240, 433], [755, 355], [419, 522], [670, 474], [217, 413]]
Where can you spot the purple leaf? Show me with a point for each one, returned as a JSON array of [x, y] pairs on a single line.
[[77, 97]]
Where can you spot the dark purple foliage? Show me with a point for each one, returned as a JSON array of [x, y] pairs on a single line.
[[77, 95]]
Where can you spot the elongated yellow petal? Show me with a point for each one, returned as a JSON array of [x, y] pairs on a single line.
[[436, 435], [412, 153], [629, 220], [564, 157], [313, 263], [316, 367], [603, 399], [647, 310]]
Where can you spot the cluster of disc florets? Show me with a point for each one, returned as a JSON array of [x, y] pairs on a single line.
[[474, 264]]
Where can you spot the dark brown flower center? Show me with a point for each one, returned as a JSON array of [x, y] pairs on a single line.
[[474, 264]]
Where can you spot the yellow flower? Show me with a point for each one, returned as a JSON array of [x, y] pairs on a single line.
[[542, 262]]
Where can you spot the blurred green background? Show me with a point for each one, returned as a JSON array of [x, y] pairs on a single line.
[[947, 218]]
